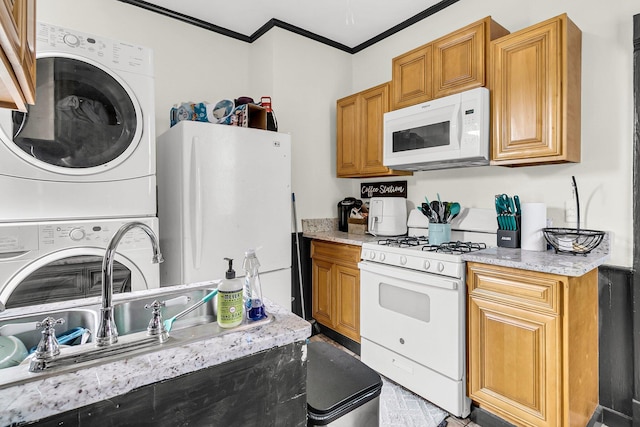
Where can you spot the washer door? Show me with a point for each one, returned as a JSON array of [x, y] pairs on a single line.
[[66, 275], [85, 119]]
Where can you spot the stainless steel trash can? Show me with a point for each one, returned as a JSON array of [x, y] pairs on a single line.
[[341, 390]]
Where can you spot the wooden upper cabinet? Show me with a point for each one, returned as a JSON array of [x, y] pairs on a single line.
[[536, 78], [459, 59], [18, 55], [448, 65], [359, 140], [348, 135], [412, 78]]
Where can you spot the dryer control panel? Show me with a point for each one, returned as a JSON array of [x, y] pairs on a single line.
[[47, 236], [116, 54]]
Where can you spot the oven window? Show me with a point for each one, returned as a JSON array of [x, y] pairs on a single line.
[[69, 278], [404, 301], [82, 117], [428, 136]]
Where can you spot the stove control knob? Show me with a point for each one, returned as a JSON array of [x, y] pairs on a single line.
[[403, 260], [382, 257], [427, 264], [372, 255], [440, 267]]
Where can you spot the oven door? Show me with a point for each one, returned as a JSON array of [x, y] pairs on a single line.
[[417, 315]]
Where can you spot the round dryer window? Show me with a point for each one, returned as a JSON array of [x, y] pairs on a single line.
[[83, 117]]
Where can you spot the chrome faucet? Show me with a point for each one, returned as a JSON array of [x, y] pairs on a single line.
[[107, 333]]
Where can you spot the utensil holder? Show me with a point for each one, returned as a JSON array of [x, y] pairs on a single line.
[[439, 233], [509, 238]]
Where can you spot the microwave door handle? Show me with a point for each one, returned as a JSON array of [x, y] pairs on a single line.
[[458, 116]]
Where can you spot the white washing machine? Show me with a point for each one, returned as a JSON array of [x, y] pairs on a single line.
[[86, 148], [43, 262]]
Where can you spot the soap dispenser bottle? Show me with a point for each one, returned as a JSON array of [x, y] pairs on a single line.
[[230, 308], [252, 286]]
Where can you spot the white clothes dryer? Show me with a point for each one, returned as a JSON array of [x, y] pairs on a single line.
[[86, 148], [43, 262]]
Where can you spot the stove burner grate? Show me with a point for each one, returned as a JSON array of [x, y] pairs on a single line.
[[455, 248], [404, 241]]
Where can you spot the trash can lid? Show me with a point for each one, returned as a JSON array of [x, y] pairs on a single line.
[[337, 382]]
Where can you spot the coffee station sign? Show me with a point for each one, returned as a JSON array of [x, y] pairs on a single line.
[[383, 189]]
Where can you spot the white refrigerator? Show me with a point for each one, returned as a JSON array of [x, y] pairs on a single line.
[[222, 190]]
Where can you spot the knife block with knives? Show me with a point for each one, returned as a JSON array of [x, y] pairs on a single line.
[[508, 217]]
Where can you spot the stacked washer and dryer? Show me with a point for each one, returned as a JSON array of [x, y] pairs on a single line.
[[74, 168]]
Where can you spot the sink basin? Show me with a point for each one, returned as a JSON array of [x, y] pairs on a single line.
[[131, 316], [131, 320], [73, 318]]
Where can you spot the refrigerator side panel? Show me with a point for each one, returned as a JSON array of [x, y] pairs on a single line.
[[170, 167], [276, 286]]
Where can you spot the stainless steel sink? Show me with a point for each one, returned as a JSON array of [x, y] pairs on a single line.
[[73, 318], [131, 320], [131, 316]]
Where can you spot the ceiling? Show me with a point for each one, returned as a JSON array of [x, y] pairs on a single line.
[[349, 25]]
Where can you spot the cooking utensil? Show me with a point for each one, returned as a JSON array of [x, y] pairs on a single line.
[[435, 208], [454, 210], [168, 324]]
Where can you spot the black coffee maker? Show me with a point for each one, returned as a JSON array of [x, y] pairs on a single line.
[[344, 210]]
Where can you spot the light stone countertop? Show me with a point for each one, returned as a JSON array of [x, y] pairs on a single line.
[[547, 261], [56, 393], [341, 237]]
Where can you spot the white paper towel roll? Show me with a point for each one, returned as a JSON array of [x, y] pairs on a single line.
[[533, 220]]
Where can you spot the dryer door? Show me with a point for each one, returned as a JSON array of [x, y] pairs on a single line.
[[66, 275], [85, 120]]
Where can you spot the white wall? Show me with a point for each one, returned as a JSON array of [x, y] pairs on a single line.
[[604, 175], [304, 79]]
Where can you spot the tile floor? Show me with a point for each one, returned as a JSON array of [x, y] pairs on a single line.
[[401, 408]]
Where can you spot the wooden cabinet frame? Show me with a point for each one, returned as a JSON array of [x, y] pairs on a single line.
[[336, 287], [533, 345]]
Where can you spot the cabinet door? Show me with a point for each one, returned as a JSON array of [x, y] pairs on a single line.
[[374, 103], [515, 363], [322, 305], [348, 136], [17, 39], [459, 61], [535, 86], [347, 291], [412, 79]]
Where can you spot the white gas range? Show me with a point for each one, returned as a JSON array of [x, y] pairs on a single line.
[[412, 307]]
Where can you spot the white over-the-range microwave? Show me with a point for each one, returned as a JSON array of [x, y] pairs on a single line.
[[447, 132]]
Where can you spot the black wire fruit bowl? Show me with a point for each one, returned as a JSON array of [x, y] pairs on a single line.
[[573, 240]]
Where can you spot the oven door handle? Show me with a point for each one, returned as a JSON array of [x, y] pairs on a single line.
[[411, 275]]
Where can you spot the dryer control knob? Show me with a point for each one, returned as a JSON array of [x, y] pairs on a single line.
[[71, 40], [77, 234]]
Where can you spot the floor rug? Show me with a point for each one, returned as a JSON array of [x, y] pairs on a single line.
[[401, 408]]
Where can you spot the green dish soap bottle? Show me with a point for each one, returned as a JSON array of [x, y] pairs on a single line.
[[230, 302]]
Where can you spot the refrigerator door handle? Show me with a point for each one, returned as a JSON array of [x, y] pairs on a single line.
[[196, 212]]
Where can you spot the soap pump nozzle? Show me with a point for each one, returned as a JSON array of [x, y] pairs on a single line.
[[230, 273]]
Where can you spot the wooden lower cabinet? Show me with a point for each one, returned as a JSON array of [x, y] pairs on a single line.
[[533, 345], [336, 287]]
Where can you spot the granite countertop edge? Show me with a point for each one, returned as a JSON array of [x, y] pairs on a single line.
[[53, 394], [546, 261], [341, 237]]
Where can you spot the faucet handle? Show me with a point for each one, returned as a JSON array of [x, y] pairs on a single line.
[[48, 347], [156, 326]]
